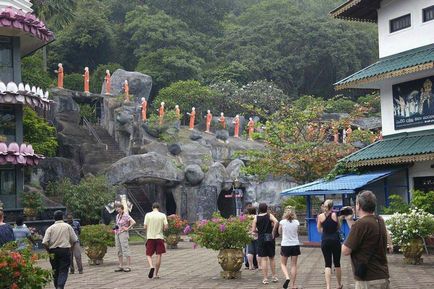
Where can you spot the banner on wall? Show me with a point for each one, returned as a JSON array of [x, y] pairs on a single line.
[[413, 103]]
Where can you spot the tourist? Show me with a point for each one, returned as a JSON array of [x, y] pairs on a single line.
[[265, 224], [6, 232], [124, 222], [58, 240], [155, 223], [252, 248], [367, 244], [328, 225], [22, 233], [76, 249], [290, 246]]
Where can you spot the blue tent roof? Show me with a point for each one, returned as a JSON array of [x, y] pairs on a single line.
[[343, 184]]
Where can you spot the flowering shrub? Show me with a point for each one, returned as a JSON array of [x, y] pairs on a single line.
[[97, 235], [19, 270], [35, 234], [415, 224], [219, 233], [176, 225]]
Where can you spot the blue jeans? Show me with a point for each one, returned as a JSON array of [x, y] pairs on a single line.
[[60, 262]]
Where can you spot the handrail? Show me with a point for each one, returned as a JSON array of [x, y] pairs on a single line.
[[92, 131], [136, 203]]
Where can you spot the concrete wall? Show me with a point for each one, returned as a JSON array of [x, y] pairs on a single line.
[[420, 169], [418, 34]]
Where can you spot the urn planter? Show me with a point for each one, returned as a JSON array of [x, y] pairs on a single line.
[[96, 254], [413, 252], [231, 261], [172, 241]]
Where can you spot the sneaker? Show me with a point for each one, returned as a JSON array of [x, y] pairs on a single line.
[[80, 272]]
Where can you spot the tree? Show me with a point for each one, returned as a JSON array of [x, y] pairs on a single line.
[[33, 72], [39, 133]]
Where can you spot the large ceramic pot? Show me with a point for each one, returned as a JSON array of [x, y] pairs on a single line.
[[172, 241], [231, 261], [413, 252], [96, 254], [30, 213]]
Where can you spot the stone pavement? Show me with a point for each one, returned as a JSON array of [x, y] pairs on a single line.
[[188, 268]]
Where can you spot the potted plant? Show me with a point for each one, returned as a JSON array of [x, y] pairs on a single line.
[[36, 237], [19, 269], [96, 239], [409, 231], [32, 204], [172, 234], [229, 236]]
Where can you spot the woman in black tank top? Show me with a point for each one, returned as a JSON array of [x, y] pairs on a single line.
[[328, 225]]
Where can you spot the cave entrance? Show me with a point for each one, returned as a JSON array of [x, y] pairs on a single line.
[[230, 202]]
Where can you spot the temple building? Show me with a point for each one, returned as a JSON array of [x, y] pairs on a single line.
[[21, 33], [404, 74]]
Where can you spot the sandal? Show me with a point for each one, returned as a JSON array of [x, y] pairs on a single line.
[[340, 287], [127, 269], [275, 279], [285, 285], [265, 282], [151, 273], [119, 269]]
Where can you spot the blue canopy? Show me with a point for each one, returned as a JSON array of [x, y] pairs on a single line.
[[343, 184]]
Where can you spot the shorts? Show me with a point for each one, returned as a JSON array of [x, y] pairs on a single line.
[[155, 246], [121, 241], [288, 251], [252, 248], [374, 284], [266, 249]]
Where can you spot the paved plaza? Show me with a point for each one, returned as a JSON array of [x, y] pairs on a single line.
[[188, 268]]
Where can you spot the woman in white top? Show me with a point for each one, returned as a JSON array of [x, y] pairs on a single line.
[[290, 246]]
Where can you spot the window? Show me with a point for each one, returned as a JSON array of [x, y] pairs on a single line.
[[7, 123], [400, 23], [7, 180], [428, 14], [6, 61]]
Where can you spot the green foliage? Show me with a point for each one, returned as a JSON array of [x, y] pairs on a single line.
[[298, 202], [39, 133], [396, 205], [73, 81], [233, 71], [88, 111], [371, 100], [424, 201], [57, 189], [365, 136], [340, 105], [341, 168], [97, 235], [219, 233], [33, 200], [21, 270], [88, 198], [32, 72], [97, 77], [176, 225]]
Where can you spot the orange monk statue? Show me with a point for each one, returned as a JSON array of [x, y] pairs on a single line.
[[86, 79], [127, 91], [222, 120], [161, 113], [208, 121], [192, 115], [236, 123], [60, 75], [144, 106], [108, 82], [251, 126]]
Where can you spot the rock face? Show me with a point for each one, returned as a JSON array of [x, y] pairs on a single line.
[[234, 169], [222, 135], [139, 84], [194, 174], [55, 169], [217, 177]]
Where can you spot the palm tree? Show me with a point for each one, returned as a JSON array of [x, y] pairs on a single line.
[[58, 12]]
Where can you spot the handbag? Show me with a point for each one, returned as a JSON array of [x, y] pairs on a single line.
[[361, 269]]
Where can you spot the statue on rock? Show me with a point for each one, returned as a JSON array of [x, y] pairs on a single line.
[[178, 116], [161, 113], [144, 106], [108, 83], [222, 120], [236, 123], [126, 91], [192, 115], [86, 79], [208, 121], [251, 126], [348, 132], [335, 135], [60, 75]]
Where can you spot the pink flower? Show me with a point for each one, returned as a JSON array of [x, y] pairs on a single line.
[[215, 220], [242, 218], [187, 229], [222, 227]]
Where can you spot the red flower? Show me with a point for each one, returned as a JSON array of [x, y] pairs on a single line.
[[17, 274], [3, 264], [14, 286]]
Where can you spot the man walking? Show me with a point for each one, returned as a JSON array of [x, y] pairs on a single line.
[[58, 240], [367, 245], [155, 223], [76, 249]]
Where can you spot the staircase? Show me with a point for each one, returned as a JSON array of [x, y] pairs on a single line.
[[112, 146]]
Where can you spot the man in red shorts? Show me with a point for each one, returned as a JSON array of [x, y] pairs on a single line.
[[155, 223]]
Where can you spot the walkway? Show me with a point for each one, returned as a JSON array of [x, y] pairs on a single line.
[[187, 268]]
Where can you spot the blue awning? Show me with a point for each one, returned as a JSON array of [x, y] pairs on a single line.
[[343, 184]]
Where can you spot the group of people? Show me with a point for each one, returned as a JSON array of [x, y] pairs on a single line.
[[367, 243]]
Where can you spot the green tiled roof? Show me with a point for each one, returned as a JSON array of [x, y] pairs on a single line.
[[402, 148], [410, 61]]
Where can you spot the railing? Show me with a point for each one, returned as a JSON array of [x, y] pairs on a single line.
[[136, 203], [92, 131]]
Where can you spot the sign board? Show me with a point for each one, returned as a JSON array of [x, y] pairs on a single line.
[[425, 184]]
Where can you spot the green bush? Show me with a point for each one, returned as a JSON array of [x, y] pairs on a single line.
[[88, 111], [363, 136], [298, 202], [396, 205], [424, 201], [32, 72], [99, 235], [33, 200], [74, 81]]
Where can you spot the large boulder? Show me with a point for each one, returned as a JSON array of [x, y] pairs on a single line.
[[150, 167], [222, 135], [234, 168], [194, 174], [55, 169], [139, 84], [217, 177]]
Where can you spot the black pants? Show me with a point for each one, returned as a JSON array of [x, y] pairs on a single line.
[[60, 260], [331, 248]]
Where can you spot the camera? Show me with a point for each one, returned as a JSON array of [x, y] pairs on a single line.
[[115, 227], [345, 211]]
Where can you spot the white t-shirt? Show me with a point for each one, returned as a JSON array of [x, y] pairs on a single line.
[[289, 233]]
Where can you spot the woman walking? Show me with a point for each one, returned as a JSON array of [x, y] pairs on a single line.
[[265, 224], [290, 246], [328, 225]]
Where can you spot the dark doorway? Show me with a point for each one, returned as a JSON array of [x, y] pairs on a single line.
[[226, 204], [170, 204]]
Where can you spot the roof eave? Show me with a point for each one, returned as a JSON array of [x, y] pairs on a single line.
[[341, 12]]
